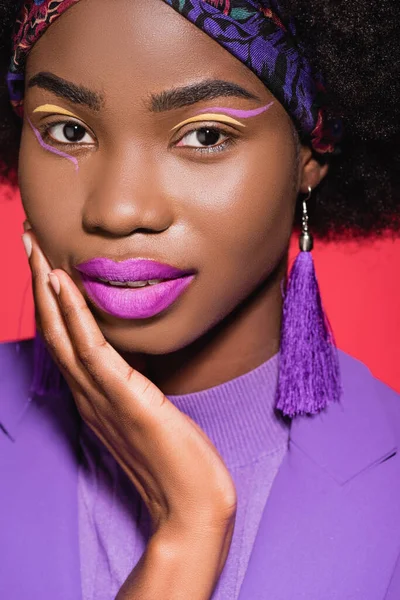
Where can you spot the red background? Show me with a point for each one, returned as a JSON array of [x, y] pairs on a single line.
[[359, 283]]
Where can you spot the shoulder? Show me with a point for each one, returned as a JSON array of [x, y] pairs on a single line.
[[13, 354], [369, 397], [358, 379], [16, 372], [21, 408]]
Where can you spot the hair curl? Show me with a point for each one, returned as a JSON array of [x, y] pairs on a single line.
[[355, 46]]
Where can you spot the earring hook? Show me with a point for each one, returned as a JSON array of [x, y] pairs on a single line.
[[306, 239]]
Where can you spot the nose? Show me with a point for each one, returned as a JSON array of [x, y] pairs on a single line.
[[126, 196]]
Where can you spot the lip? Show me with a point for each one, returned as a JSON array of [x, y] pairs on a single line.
[[133, 303], [133, 269]]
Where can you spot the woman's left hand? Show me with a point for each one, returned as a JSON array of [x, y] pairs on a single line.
[[178, 472]]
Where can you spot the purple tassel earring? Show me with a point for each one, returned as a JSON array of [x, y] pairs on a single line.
[[309, 376], [47, 378]]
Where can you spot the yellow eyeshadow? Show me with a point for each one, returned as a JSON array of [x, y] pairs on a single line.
[[49, 108], [209, 117]]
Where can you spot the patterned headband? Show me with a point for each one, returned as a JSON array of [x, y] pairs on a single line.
[[252, 31]]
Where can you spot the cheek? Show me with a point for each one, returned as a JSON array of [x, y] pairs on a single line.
[[47, 186], [240, 210]]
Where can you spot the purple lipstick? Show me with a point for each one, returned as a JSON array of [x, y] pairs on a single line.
[[132, 289]]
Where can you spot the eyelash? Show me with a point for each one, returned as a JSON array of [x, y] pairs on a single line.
[[45, 129], [230, 141]]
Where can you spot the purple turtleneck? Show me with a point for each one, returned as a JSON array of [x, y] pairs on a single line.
[[239, 418]]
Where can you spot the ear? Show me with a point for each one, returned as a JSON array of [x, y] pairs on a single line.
[[311, 172]]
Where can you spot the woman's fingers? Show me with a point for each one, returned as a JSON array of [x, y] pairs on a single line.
[[47, 310], [27, 226], [114, 376], [48, 314], [92, 348], [75, 339]]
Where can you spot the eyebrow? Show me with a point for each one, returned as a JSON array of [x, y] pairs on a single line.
[[78, 94], [191, 94], [164, 101]]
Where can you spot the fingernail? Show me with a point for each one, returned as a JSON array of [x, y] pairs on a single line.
[[55, 283], [26, 238]]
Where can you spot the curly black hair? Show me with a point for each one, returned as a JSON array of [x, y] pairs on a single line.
[[355, 45]]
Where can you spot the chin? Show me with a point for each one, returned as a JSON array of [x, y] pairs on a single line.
[[144, 336]]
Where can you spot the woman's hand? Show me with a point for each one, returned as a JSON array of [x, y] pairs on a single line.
[[176, 469]]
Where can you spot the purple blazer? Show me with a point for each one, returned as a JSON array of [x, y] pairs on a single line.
[[330, 528]]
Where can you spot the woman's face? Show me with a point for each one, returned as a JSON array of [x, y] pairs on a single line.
[[131, 184]]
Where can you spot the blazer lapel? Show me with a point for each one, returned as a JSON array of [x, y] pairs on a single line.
[[38, 501], [327, 527]]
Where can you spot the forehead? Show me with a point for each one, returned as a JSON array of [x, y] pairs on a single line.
[[125, 46]]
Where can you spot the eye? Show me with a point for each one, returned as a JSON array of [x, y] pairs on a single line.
[[68, 133], [204, 137]]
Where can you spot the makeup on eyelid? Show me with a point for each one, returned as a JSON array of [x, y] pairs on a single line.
[[209, 117], [215, 113], [50, 108], [207, 113], [50, 148], [241, 114]]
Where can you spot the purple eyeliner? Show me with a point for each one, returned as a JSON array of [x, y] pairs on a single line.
[[50, 148], [241, 114]]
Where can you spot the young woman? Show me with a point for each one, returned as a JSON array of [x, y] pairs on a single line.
[[205, 439]]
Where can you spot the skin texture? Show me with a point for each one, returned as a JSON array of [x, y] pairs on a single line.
[[226, 214]]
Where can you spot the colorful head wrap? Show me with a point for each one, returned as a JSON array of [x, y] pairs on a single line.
[[252, 31]]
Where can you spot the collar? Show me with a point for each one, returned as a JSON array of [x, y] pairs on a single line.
[[239, 415]]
